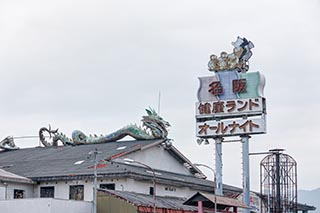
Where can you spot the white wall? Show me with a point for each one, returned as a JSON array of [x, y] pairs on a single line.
[[158, 158], [10, 187], [44, 205], [61, 188], [2, 192], [143, 187]]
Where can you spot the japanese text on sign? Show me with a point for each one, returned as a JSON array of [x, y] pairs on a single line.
[[231, 127], [238, 86], [230, 107]]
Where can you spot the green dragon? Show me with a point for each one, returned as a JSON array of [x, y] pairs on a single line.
[[154, 127]]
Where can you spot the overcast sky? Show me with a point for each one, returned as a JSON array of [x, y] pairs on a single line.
[[96, 65]]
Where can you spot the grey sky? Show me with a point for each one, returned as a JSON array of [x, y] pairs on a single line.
[[95, 65]]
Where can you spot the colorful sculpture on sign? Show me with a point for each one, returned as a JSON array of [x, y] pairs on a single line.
[[238, 59], [231, 80], [154, 127]]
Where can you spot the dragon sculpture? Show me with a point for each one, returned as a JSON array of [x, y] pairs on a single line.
[[154, 127], [8, 144]]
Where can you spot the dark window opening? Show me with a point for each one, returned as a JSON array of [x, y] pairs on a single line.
[[110, 186], [47, 191], [151, 191], [18, 194], [76, 192]]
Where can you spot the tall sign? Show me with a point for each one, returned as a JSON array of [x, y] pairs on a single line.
[[231, 103]]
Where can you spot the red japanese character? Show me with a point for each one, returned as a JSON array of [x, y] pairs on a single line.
[[203, 129], [231, 105], [221, 128], [204, 108], [218, 107], [239, 85], [233, 127], [244, 105], [251, 126], [215, 88], [253, 104]]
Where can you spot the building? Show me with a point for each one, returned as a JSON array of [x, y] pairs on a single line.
[[13, 186], [66, 172]]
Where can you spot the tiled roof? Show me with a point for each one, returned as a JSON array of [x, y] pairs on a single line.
[[210, 199], [67, 162], [64, 160], [147, 200]]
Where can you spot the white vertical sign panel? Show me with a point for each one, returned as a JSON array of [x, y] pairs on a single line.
[[232, 127]]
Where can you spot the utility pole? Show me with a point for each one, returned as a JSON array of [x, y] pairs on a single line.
[[95, 154]]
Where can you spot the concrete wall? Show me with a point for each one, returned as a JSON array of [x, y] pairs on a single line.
[[7, 190], [44, 205]]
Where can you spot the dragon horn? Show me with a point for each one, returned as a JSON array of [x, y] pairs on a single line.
[[152, 111], [149, 112]]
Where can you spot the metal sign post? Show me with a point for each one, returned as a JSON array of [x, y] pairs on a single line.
[[245, 171], [218, 160]]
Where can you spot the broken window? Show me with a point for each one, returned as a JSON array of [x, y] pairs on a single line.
[[76, 192], [18, 194]]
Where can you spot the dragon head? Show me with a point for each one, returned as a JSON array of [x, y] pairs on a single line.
[[155, 124]]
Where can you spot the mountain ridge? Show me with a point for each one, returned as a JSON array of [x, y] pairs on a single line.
[[310, 197]]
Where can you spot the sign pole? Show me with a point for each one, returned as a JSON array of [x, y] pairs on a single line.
[[245, 171], [218, 161], [231, 103]]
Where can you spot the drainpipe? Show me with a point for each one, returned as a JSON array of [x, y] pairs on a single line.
[[6, 191]]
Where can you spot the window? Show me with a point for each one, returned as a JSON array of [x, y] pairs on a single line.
[[18, 194], [47, 191], [151, 191], [170, 188], [111, 186], [76, 192]]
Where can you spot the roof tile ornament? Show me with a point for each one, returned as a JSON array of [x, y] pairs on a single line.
[[154, 127]]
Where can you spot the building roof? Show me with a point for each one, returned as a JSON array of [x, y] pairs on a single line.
[[209, 201], [71, 162], [138, 199], [61, 161], [6, 176]]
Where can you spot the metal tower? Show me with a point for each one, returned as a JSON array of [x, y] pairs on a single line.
[[278, 182]]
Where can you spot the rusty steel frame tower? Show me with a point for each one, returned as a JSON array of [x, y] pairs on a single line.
[[278, 182]]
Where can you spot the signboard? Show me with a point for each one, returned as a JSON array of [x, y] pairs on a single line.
[[231, 127], [231, 102], [230, 108], [230, 84]]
